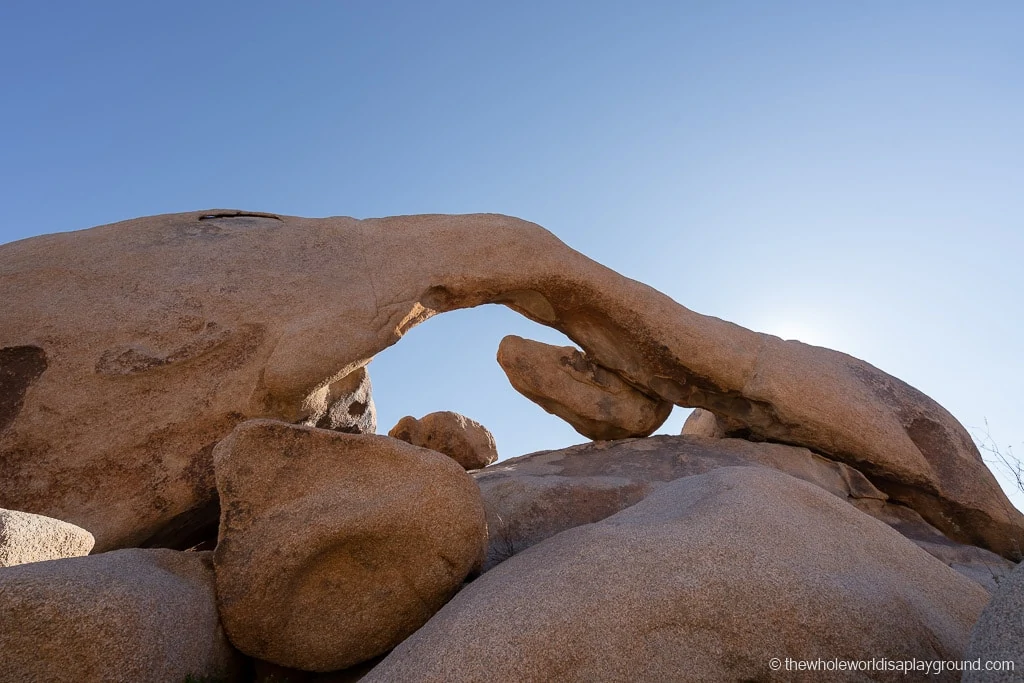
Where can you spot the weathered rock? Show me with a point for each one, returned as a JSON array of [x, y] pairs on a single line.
[[124, 616], [707, 579], [594, 400], [128, 350], [703, 423], [349, 405], [334, 547], [998, 636], [534, 497], [25, 538], [465, 441]]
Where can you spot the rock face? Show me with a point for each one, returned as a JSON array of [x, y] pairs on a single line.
[[25, 538], [534, 497], [348, 405], [176, 328], [335, 547], [125, 616], [595, 401], [707, 579], [465, 441], [999, 634]]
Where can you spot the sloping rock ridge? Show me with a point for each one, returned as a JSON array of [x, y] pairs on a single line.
[[534, 497], [708, 579]]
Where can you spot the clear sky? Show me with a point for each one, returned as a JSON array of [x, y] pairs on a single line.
[[849, 174]]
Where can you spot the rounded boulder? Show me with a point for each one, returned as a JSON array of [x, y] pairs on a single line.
[[465, 441], [334, 547]]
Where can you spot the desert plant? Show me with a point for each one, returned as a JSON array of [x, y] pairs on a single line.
[[1002, 460], [998, 458], [503, 544]]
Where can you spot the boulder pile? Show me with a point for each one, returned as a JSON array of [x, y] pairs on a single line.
[[197, 382]]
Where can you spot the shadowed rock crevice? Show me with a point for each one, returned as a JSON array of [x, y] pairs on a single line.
[[194, 529]]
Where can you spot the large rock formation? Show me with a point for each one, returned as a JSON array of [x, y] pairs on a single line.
[[595, 401], [335, 547], [710, 578], [176, 328], [534, 497], [123, 617], [25, 538], [998, 636], [465, 441]]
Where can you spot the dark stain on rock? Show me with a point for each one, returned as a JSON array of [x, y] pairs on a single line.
[[20, 367]]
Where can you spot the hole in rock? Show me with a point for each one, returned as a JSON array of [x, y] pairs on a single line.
[[448, 363]]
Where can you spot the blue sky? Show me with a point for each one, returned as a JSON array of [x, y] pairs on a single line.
[[849, 174]]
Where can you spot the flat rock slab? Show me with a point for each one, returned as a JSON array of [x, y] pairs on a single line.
[[335, 547], [25, 538]]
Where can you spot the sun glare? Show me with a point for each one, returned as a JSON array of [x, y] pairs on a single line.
[[815, 332]]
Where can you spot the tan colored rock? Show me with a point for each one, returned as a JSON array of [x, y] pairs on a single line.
[[349, 405], [708, 579], [124, 616], [564, 382], [465, 441], [128, 350], [703, 423], [335, 547], [25, 538], [998, 636], [534, 497]]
